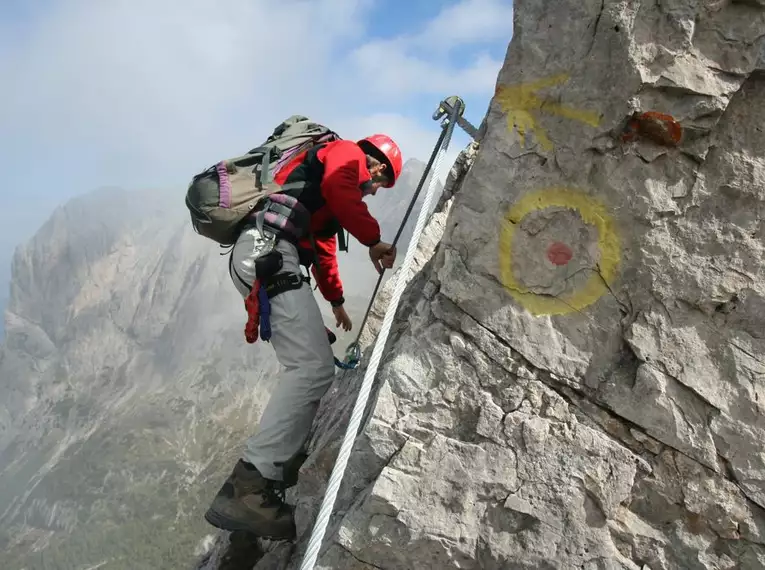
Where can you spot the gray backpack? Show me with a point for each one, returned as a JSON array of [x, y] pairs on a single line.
[[222, 197]]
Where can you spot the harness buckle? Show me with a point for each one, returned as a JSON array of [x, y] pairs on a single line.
[[282, 282]]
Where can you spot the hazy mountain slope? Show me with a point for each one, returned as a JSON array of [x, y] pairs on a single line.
[[126, 377], [126, 385], [4, 278]]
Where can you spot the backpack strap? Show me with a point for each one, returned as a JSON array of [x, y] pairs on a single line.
[[342, 243], [283, 215], [308, 173], [316, 262], [265, 171]]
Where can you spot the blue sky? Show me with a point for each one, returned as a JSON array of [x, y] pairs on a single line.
[[145, 93]]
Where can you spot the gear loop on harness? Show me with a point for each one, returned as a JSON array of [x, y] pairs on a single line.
[[333, 486], [258, 303]]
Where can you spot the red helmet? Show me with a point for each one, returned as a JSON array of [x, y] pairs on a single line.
[[384, 148]]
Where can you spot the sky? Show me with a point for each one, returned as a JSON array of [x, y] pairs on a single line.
[[146, 93]]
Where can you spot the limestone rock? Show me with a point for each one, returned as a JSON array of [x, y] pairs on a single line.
[[575, 376]]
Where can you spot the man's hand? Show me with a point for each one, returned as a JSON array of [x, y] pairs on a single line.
[[382, 255], [342, 318]]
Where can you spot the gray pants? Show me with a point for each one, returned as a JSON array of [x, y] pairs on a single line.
[[303, 350]]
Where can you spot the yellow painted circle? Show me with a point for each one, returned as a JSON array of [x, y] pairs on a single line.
[[592, 212]]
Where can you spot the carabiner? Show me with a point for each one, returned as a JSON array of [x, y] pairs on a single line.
[[352, 357]]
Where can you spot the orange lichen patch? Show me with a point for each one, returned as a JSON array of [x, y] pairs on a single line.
[[658, 127]]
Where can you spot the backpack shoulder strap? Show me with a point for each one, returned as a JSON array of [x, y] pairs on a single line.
[[342, 243]]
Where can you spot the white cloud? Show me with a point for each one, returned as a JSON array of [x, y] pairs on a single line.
[[468, 21], [403, 73], [140, 92], [420, 62], [416, 140], [159, 77]]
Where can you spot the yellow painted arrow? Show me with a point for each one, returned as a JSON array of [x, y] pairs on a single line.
[[521, 101]]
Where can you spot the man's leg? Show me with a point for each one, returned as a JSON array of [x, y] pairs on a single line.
[[302, 348]]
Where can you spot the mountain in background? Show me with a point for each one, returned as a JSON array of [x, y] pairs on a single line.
[[126, 384], [4, 278]]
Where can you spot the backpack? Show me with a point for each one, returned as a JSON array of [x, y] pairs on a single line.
[[222, 197]]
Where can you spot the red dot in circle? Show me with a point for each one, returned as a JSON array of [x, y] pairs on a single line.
[[559, 253]]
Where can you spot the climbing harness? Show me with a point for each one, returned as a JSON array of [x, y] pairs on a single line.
[[258, 302], [454, 107]]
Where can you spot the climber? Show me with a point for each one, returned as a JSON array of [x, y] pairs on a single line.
[[329, 182]]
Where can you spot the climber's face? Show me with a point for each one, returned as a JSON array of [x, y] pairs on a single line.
[[379, 178], [370, 188]]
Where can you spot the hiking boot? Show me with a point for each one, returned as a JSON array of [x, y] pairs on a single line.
[[291, 468], [247, 501]]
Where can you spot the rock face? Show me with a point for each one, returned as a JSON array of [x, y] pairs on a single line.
[[576, 377], [126, 386]]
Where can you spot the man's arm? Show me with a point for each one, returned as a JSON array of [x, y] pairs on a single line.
[[342, 193], [328, 274]]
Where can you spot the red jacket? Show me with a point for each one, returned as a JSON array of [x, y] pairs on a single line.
[[345, 170]]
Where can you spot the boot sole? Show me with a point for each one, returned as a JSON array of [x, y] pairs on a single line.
[[224, 523]]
